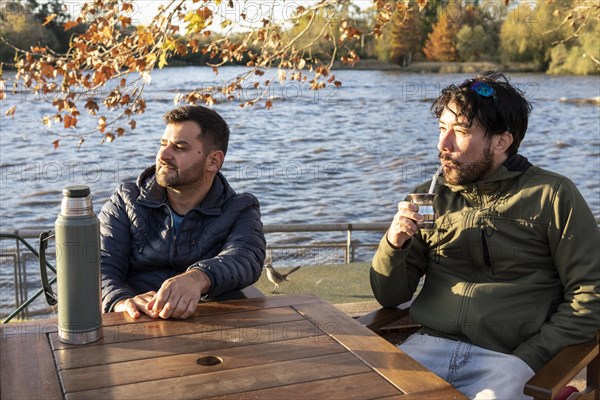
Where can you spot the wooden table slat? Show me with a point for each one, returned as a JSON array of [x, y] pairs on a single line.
[[445, 393], [350, 387], [380, 354], [85, 356], [255, 303], [185, 364], [234, 381], [28, 371], [162, 328]]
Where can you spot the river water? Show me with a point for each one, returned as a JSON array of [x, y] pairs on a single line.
[[339, 155]]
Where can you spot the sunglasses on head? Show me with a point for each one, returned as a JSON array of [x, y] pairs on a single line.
[[483, 89]]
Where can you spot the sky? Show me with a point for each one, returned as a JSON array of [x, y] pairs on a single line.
[[255, 10]]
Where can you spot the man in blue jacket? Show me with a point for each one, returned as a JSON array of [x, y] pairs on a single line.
[[180, 233]]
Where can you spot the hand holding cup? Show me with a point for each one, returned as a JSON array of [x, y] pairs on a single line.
[[424, 202], [411, 216]]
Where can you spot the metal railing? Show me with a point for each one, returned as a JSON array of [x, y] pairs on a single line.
[[287, 250], [26, 283]]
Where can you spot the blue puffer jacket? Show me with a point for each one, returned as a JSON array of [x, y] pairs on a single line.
[[223, 237]]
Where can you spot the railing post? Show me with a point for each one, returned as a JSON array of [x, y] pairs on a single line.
[[349, 256], [20, 280]]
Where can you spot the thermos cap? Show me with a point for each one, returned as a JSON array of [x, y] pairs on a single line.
[[76, 191], [76, 201]]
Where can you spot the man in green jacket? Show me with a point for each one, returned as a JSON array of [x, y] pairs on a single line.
[[512, 263]]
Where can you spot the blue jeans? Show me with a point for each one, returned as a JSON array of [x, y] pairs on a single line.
[[476, 372]]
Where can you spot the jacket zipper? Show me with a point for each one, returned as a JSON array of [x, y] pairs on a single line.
[[173, 228], [486, 252]]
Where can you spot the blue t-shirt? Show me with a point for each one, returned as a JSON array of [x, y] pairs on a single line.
[[176, 219]]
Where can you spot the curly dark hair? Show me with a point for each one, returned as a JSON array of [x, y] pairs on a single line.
[[214, 131], [504, 110]]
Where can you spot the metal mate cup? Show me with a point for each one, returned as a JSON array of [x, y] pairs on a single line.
[[425, 203]]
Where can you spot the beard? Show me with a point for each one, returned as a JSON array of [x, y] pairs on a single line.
[[465, 173], [168, 175]]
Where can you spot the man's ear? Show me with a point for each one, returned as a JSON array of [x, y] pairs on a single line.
[[502, 142], [214, 161]]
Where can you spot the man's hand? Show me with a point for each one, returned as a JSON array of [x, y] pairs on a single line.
[[404, 224], [178, 296], [134, 305]]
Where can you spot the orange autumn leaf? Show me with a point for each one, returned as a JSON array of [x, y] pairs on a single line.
[[69, 121], [269, 104], [125, 21], [49, 19], [70, 25], [55, 144], [11, 111]]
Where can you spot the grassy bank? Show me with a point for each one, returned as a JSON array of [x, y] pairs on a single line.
[[340, 283]]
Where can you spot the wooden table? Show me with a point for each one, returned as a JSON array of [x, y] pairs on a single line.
[[284, 347]]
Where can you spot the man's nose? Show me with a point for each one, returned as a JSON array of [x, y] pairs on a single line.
[[164, 153], [445, 141]]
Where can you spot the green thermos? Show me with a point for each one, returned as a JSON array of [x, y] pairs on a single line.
[[77, 236]]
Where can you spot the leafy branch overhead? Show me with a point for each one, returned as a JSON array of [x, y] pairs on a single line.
[[95, 74], [108, 52]]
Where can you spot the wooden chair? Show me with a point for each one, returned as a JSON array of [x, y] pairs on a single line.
[[549, 383]]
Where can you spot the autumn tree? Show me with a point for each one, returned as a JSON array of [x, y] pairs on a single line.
[[441, 42], [579, 55], [403, 40], [559, 36], [578, 52], [18, 24]]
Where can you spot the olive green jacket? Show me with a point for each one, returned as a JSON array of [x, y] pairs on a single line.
[[512, 265]]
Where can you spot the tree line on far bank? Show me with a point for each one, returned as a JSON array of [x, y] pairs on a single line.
[[541, 35], [548, 36]]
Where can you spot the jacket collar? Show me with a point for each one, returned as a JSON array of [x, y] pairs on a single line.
[[514, 166], [153, 195]]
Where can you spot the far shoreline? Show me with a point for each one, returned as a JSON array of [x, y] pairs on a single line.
[[438, 67]]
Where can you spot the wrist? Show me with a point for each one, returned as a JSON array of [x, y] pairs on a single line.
[[202, 279], [400, 244], [394, 244]]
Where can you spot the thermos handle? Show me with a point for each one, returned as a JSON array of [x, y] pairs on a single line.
[[50, 297]]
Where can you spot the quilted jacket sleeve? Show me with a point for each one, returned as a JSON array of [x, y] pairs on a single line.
[[239, 263], [114, 235]]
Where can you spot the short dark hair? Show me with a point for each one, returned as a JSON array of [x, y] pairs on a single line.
[[214, 131], [505, 110]]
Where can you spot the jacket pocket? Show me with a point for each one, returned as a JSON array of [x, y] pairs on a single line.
[[503, 315]]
